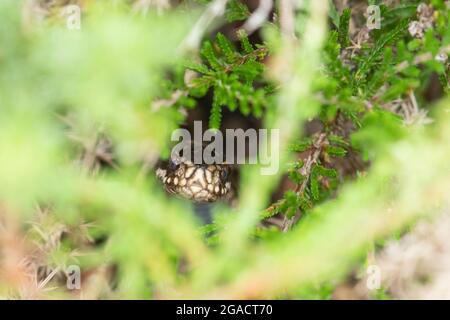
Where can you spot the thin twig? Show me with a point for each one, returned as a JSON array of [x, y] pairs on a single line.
[[193, 39], [287, 18], [421, 58], [144, 6], [258, 17], [306, 172]]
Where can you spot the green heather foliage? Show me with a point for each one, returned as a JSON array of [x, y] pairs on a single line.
[[112, 93], [231, 74]]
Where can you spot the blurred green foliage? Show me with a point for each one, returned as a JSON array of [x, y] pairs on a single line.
[[62, 90]]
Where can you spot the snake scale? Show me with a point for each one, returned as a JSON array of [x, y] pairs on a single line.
[[198, 182]]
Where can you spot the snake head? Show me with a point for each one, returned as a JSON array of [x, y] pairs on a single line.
[[196, 182]]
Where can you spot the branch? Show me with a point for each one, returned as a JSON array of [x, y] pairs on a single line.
[[306, 172], [258, 17], [287, 18], [214, 10], [419, 59]]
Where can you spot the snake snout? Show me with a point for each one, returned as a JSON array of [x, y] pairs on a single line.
[[198, 183]]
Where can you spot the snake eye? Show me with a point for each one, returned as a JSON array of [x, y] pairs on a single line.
[[224, 175], [172, 165]]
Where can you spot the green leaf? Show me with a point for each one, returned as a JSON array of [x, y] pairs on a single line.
[[245, 43], [209, 54], [249, 70], [291, 203], [215, 117], [236, 11], [243, 105], [344, 20], [199, 86], [336, 151], [226, 47], [378, 48], [337, 140], [333, 13], [305, 203], [326, 172], [197, 67], [301, 146], [314, 184]]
